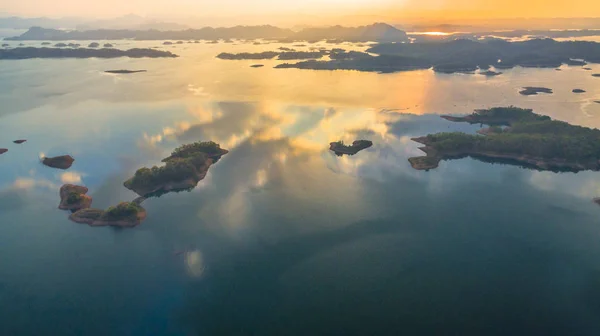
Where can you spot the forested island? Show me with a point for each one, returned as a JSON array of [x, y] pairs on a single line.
[[364, 62], [455, 68], [74, 198], [183, 169], [123, 71], [460, 56], [125, 214], [186, 166], [249, 56], [533, 90], [31, 52], [300, 55], [59, 162], [516, 136], [340, 149], [490, 73], [281, 55]]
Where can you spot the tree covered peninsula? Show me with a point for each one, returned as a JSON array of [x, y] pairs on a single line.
[[516, 136]]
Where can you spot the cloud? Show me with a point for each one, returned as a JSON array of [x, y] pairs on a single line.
[[27, 183], [71, 177], [197, 90]]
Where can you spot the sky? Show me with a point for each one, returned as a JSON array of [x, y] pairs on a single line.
[[450, 9]]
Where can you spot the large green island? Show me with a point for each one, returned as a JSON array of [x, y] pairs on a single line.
[[186, 166], [516, 136]]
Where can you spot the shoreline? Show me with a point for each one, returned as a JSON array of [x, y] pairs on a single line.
[[527, 160]]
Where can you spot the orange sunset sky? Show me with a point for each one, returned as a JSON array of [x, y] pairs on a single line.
[[392, 9]]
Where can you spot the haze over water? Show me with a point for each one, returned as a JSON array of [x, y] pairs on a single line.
[[283, 237]]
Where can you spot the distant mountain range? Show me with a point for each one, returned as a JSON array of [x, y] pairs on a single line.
[[379, 32], [131, 21], [14, 22]]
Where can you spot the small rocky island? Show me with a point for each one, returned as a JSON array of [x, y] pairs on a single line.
[[490, 73], [533, 90], [94, 45], [31, 52], [59, 162], [123, 71], [578, 91], [18, 142], [186, 166], [596, 75], [125, 214], [74, 198], [3, 150], [340, 149], [257, 65], [527, 139]]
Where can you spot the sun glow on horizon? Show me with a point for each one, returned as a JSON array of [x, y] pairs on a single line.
[[350, 12], [432, 33]]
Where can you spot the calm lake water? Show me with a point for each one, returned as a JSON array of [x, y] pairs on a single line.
[[283, 237]]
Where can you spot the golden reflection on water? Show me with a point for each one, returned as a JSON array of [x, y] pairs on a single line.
[[199, 97], [197, 75]]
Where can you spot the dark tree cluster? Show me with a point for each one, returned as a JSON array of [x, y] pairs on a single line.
[[528, 134]]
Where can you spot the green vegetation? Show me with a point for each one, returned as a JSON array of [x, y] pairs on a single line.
[[74, 198], [461, 55], [501, 116], [529, 137], [530, 53], [571, 148], [124, 210], [174, 170], [186, 166], [496, 129], [186, 151], [339, 148]]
